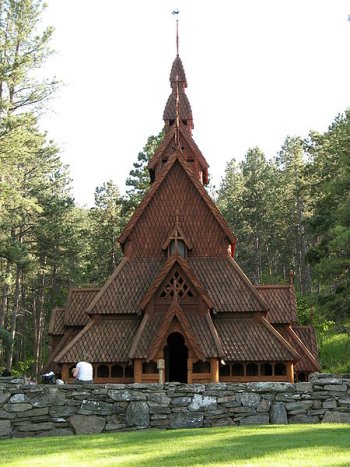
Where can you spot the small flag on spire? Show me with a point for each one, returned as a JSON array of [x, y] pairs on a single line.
[[175, 12]]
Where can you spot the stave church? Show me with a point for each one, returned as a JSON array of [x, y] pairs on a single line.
[[178, 307]]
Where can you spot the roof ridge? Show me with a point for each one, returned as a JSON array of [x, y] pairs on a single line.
[[74, 340], [281, 338]]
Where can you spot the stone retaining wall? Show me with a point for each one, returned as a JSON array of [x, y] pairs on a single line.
[[43, 410]]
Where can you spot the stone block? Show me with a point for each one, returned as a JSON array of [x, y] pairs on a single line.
[[46, 400], [336, 387], [336, 417], [4, 397], [186, 420], [317, 404], [96, 407], [278, 414], [127, 395], [17, 407], [260, 419], [299, 405], [264, 406], [5, 428], [226, 421], [200, 402], [83, 424], [304, 419], [6, 415], [248, 399], [303, 387], [62, 411], [331, 404], [344, 401], [28, 426], [180, 401], [158, 398], [271, 387], [137, 414], [33, 412], [243, 410]]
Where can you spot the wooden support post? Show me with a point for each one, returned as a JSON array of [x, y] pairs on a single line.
[[65, 372], [189, 371], [214, 370], [290, 372], [137, 370]]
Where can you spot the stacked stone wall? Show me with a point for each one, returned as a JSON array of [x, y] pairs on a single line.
[[44, 410]]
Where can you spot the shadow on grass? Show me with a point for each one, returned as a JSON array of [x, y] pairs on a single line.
[[187, 447]]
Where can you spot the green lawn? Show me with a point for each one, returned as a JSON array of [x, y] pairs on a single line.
[[273, 445]]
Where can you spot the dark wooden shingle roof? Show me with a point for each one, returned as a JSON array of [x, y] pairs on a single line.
[[251, 339], [77, 303], [282, 303], [56, 324]]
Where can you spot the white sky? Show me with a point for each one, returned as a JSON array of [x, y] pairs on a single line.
[[257, 71]]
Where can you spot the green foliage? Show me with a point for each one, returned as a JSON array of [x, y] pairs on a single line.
[[138, 180], [335, 352]]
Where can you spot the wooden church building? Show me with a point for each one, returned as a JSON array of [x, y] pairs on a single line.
[[178, 300]]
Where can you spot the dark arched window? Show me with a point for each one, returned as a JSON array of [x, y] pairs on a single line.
[[224, 370], [129, 371], [117, 371], [102, 371], [201, 367], [252, 369], [237, 369], [179, 246], [266, 369], [280, 369]]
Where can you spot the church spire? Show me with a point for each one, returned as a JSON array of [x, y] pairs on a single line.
[[178, 84]]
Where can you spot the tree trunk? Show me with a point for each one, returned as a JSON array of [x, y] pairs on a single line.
[[16, 301]]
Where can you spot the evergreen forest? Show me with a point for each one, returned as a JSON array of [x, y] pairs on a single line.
[[290, 212]]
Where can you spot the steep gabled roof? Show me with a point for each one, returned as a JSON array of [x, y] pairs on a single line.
[[159, 339], [307, 362], [251, 339], [177, 157], [127, 285], [77, 303], [169, 138], [116, 334], [308, 335], [168, 266], [227, 285], [282, 302], [56, 324]]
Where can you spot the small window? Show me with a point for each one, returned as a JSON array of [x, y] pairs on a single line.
[[224, 370], [266, 369], [102, 371], [180, 247], [201, 367], [129, 371], [280, 369], [149, 367], [237, 369], [252, 369], [117, 371]]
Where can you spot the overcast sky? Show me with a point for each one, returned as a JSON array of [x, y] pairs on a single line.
[[257, 71]]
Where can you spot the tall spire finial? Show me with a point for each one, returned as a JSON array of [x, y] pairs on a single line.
[[177, 122], [177, 37], [176, 12]]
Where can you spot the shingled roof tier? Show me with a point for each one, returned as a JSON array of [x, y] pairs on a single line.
[[78, 301], [168, 143], [307, 361], [282, 302], [125, 288], [251, 339], [227, 285], [308, 335], [177, 73], [116, 333], [181, 168], [56, 324]]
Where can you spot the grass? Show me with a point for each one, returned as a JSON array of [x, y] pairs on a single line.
[[335, 353], [272, 445]]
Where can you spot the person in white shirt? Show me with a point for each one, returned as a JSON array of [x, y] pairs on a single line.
[[83, 372]]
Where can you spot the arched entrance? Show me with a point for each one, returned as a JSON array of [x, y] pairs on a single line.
[[175, 354]]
